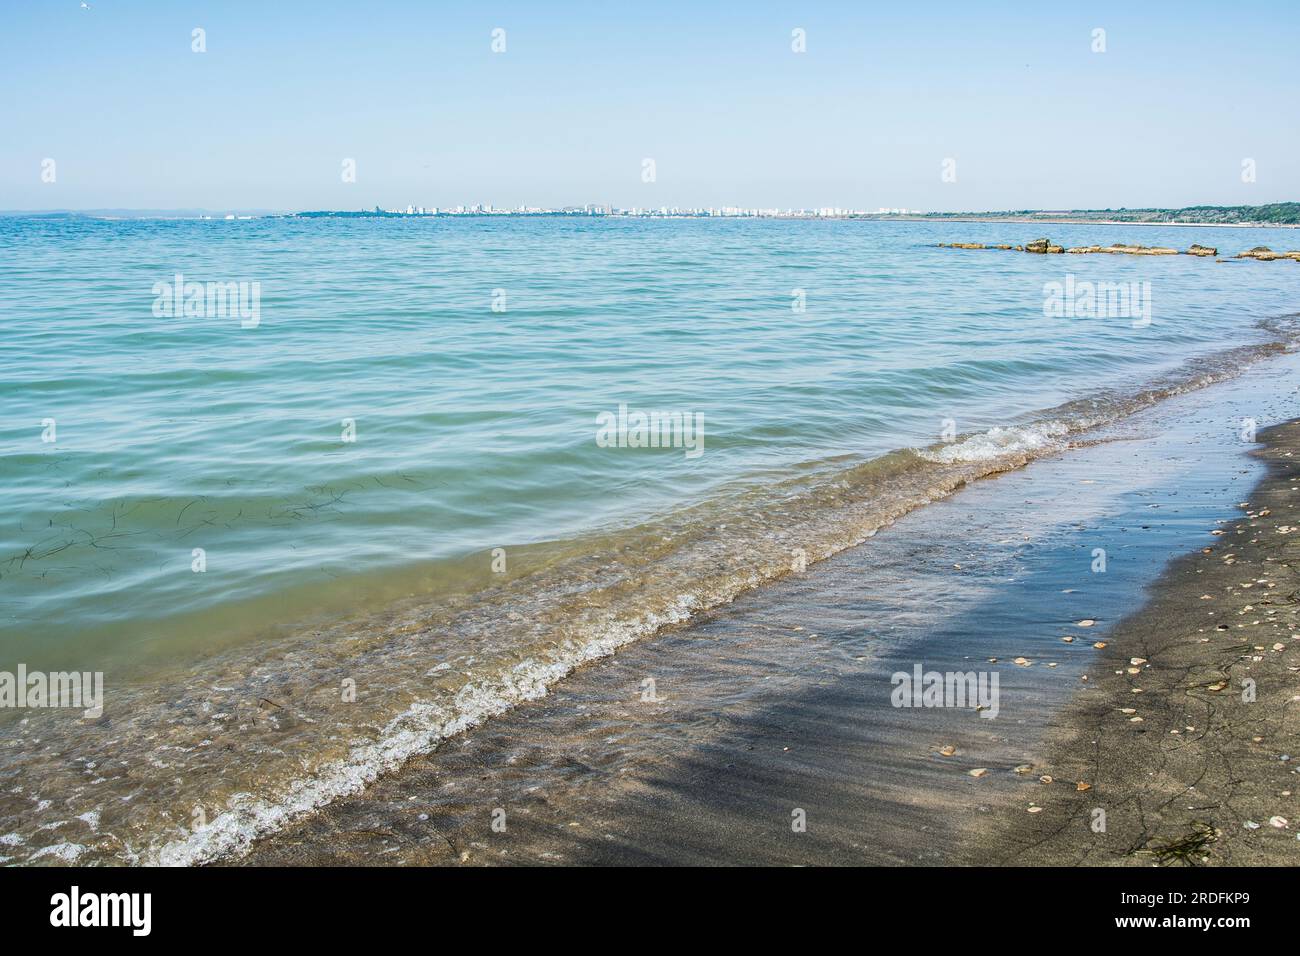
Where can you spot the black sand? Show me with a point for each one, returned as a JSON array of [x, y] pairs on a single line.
[[1199, 778]]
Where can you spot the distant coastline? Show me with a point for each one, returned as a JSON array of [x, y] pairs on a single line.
[[1271, 215], [1065, 221]]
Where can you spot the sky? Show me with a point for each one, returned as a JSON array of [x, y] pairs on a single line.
[[866, 117]]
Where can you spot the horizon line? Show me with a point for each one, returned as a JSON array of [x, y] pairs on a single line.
[[609, 209]]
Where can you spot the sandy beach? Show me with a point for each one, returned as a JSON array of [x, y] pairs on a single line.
[[1187, 735]]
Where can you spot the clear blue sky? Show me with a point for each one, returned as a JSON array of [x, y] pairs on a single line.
[[584, 92]]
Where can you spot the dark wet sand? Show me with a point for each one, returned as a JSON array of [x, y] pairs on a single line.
[[1197, 780], [779, 703]]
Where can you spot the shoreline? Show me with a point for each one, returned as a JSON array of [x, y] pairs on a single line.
[[763, 707], [1187, 767]]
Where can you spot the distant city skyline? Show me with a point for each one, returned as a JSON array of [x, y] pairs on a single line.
[[608, 209], [943, 107]]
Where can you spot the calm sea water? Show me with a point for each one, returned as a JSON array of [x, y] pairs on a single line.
[[393, 477], [476, 429]]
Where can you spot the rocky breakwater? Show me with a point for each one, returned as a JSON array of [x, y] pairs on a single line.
[[1265, 254], [1047, 247]]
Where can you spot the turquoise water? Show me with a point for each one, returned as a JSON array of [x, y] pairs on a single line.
[[475, 428], [282, 614]]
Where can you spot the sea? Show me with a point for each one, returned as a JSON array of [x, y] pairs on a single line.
[[309, 497]]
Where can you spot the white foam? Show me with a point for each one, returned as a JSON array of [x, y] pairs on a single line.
[[67, 852], [415, 731], [998, 443]]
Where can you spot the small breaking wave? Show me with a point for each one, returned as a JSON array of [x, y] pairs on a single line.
[[997, 442]]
